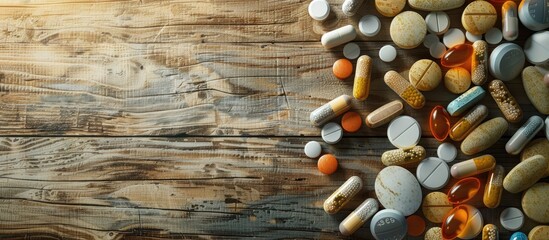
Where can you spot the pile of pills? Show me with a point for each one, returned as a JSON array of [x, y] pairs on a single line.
[[467, 69]]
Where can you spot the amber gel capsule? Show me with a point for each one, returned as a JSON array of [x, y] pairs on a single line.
[[439, 123], [464, 190], [464, 221], [457, 55], [494, 187], [361, 88]]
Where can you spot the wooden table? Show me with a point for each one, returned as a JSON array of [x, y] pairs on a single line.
[[187, 119]]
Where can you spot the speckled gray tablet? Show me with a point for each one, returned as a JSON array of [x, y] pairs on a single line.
[[447, 152], [507, 61], [433, 173], [332, 133], [313, 149], [388, 224], [511, 219]]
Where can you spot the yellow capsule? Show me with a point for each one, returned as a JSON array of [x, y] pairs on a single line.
[[330, 110], [361, 88], [470, 121], [490, 232], [473, 166], [403, 156], [494, 187], [404, 89]]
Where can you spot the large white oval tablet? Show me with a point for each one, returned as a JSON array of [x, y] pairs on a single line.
[[319, 9], [332, 133], [453, 37], [536, 48], [404, 132], [493, 36], [351, 51], [396, 188], [447, 152], [430, 40], [388, 224], [433, 173], [437, 50], [369, 25], [511, 219], [472, 37], [313, 149], [387, 53], [437, 22]]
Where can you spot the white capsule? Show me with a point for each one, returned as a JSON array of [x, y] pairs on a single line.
[[343, 195], [510, 21], [358, 217], [524, 135], [338, 36], [350, 7]]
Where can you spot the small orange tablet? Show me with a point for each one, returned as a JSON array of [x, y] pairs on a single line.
[[351, 122], [342, 68], [327, 164], [416, 225]]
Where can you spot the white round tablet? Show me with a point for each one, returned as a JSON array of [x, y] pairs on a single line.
[[437, 22], [536, 48], [404, 132], [472, 37], [447, 152], [433, 173], [319, 9], [437, 50], [313, 149], [511, 219], [351, 51], [453, 37], [387, 53], [332, 133], [369, 25], [430, 40], [493, 36]]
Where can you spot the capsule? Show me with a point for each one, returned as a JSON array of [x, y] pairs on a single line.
[[456, 55], [350, 7], [404, 89], [343, 195], [403, 156], [524, 135], [518, 236], [464, 190], [510, 20], [494, 187], [358, 217], [330, 110], [361, 88], [473, 166], [465, 101], [490, 232], [464, 221], [467, 123], [338, 36], [479, 62], [384, 114], [506, 102], [439, 123]]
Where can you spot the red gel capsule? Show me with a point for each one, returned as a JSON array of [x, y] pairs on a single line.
[[464, 190], [457, 55], [439, 123]]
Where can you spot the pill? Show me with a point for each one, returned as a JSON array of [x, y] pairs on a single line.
[[332, 133], [338, 36], [493, 36], [518, 236], [525, 174], [327, 164], [506, 61], [510, 20], [547, 127], [453, 37], [425, 75], [343, 195], [540, 232], [403, 156], [397, 188], [369, 25], [479, 63], [342, 69], [439, 123], [390, 8], [546, 80], [533, 14], [435, 5], [537, 92], [463, 190], [434, 233], [484, 136], [361, 87], [319, 10], [465, 101], [408, 29], [447, 152], [350, 7], [534, 203], [473, 166], [468, 123], [437, 50], [494, 187], [388, 224], [473, 37], [358, 217], [524, 135], [387, 53], [478, 17], [330, 110], [490, 232], [536, 48], [312, 149], [463, 221], [437, 22], [430, 40], [433, 173], [351, 122], [384, 114], [416, 225], [457, 55], [539, 146], [404, 132], [506, 102], [351, 51], [404, 89], [435, 206], [511, 219], [457, 80]]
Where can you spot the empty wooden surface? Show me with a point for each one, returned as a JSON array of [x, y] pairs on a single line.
[[187, 119]]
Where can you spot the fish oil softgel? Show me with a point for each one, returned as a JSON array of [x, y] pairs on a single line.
[[439, 123], [464, 221], [468, 123], [457, 55], [464, 190], [473, 166], [343, 195], [330, 110], [494, 187]]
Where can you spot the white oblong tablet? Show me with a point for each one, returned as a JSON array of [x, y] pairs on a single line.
[[351, 51], [369, 25], [536, 48], [447, 152], [437, 50], [453, 37], [319, 9], [313, 149], [437, 22], [511, 219], [430, 40], [404, 132], [387, 53], [332, 133], [472, 37], [433, 173], [493, 36]]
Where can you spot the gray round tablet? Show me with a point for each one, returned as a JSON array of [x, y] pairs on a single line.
[[313, 149], [507, 61], [332, 133], [388, 224], [447, 152], [351, 51], [511, 219], [433, 173]]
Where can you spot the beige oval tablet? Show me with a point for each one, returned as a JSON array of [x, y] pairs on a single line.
[[408, 30], [425, 75], [457, 80], [525, 174], [390, 8], [484, 136], [479, 17], [534, 203], [384, 114], [535, 89], [435, 206], [540, 232], [536, 147], [435, 5]]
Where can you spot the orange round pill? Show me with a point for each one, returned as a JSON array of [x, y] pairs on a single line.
[[342, 69], [416, 225], [351, 122], [327, 164]]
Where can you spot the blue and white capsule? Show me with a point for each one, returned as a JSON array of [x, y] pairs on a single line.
[[524, 135], [465, 101]]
